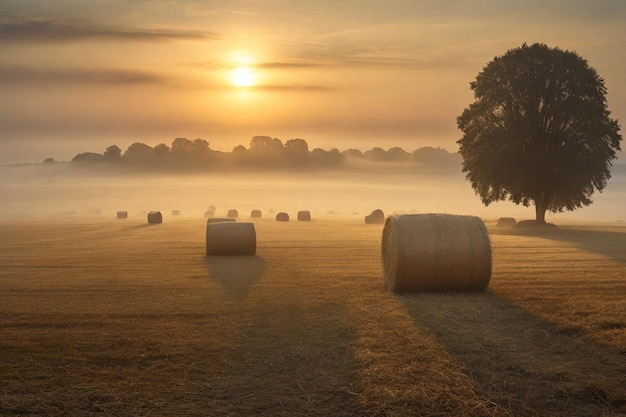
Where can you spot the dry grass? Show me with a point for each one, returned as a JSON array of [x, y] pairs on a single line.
[[128, 319]]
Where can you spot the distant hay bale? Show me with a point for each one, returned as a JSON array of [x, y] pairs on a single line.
[[122, 215], [375, 217], [255, 214], [232, 213], [155, 217], [175, 212], [209, 213], [506, 222], [219, 220], [304, 216], [230, 238], [435, 252], [282, 217]]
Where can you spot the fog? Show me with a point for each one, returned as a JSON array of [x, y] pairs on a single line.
[[60, 191]]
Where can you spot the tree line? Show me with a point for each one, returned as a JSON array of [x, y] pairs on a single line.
[[263, 152]]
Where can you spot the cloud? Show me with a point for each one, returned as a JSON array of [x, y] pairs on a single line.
[[22, 75], [288, 88], [51, 31]]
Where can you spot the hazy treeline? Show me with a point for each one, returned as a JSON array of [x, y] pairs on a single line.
[[263, 152]]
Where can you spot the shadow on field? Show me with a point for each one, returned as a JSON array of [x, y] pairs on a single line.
[[140, 226], [528, 365], [235, 274], [603, 242]]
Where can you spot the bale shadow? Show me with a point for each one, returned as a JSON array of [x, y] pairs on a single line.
[[140, 226], [603, 242], [526, 364], [235, 274]]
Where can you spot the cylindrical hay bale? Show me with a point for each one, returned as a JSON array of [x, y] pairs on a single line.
[[175, 212], [230, 238], [435, 252], [375, 217], [155, 217], [232, 213], [122, 215], [255, 214], [209, 213], [304, 215], [282, 217], [219, 220], [506, 222]]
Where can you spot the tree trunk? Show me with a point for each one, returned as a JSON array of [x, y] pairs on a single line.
[[540, 213]]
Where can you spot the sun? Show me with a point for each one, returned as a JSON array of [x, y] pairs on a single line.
[[242, 77]]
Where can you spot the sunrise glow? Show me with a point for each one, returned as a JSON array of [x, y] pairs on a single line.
[[242, 77]]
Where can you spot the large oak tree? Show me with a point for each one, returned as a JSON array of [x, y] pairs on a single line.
[[539, 131]]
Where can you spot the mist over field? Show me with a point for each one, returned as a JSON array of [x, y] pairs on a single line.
[[61, 191]]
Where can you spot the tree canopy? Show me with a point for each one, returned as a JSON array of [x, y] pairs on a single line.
[[539, 131]]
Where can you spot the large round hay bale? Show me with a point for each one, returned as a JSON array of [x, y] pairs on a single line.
[[375, 217], [282, 217], [209, 213], [155, 217], [255, 214], [175, 212], [435, 252], [230, 238], [219, 220], [232, 213], [506, 222], [304, 216], [122, 215]]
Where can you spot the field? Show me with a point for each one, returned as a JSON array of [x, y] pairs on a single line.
[[106, 317]]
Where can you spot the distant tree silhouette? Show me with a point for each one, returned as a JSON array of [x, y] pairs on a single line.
[[113, 153], [265, 150], [322, 158], [139, 153], [376, 154], [161, 151], [397, 155], [49, 161], [88, 157], [297, 152], [435, 157], [352, 153]]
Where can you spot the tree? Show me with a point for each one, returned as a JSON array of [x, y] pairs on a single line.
[[297, 151], [376, 154], [139, 153], [113, 153], [539, 131], [88, 157], [161, 151]]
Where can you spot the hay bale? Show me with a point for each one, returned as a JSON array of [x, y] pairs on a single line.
[[435, 252], [375, 217], [506, 222], [122, 215], [255, 214], [304, 216], [175, 212], [230, 238], [209, 213], [219, 220], [155, 217], [282, 217], [232, 213]]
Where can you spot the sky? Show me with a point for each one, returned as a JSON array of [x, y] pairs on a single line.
[[78, 76]]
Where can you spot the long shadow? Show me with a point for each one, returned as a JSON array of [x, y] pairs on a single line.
[[604, 242], [235, 274], [140, 226], [528, 365]]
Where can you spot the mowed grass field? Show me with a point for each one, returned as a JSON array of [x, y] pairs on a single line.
[[121, 318]]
